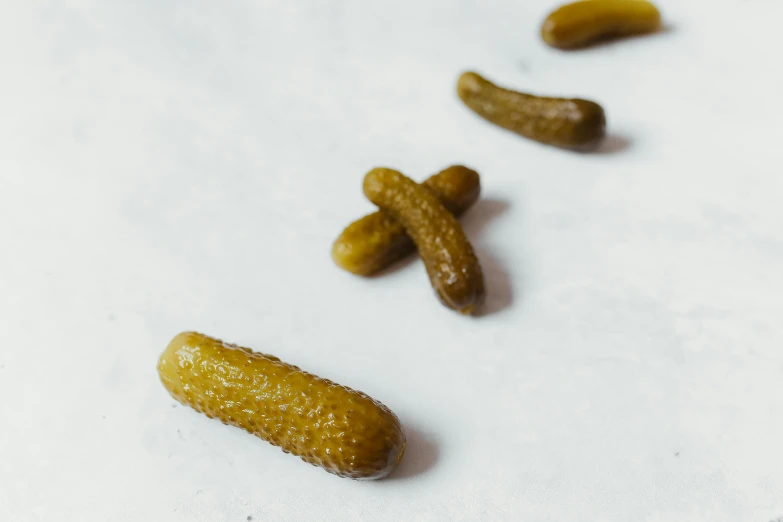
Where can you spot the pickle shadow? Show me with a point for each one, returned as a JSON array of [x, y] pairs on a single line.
[[421, 455], [613, 144], [497, 281]]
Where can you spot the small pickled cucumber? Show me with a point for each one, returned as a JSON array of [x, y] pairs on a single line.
[[562, 122], [452, 266], [341, 430], [377, 240], [588, 21]]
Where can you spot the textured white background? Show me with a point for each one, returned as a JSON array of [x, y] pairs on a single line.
[[186, 165]]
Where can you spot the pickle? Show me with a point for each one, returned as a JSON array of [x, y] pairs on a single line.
[[588, 21], [453, 268], [562, 122], [341, 430], [377, 240]]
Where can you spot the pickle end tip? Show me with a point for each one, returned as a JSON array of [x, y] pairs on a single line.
[[394, 461], [590, 130], [372, 183], [547, 34], [469, 83], [178, 341], [339, 254]]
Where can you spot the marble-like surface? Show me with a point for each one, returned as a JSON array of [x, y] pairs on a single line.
[[168, 166]]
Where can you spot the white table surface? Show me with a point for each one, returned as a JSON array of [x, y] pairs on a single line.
[[169, 166]]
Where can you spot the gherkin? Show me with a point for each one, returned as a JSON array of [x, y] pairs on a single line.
[[341, 430], [588, 21], [562, 122], [452, 266]]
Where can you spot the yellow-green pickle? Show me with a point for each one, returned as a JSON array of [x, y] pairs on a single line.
[[377, 240], [328, 425], [452, 266], [563, 122], [588, 21]]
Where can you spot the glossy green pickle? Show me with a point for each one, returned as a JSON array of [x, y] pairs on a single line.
[[588, 21], [448, 256], [562, 122], [341, 430]]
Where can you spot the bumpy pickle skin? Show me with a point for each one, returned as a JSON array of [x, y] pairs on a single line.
[[377, 240], [562, 122], [452, 266], [585, 22], [341, 430]]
